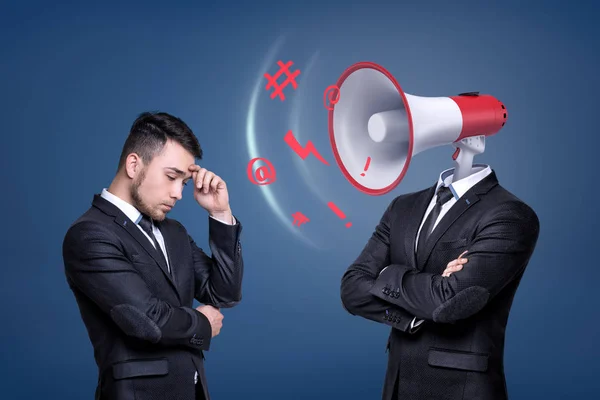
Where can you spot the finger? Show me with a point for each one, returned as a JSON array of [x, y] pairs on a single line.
[[200, 177], [460, 259], [452, 269], [455, 269], [206, 181], [206, 184], [214, 184], [456, 262], [194, 167]]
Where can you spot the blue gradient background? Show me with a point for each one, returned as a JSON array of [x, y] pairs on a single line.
[[75, 77]]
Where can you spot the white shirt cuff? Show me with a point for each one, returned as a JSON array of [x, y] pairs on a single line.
[[414, 323], [232, 222]]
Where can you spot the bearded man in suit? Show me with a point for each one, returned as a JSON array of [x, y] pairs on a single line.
[[135, 273]]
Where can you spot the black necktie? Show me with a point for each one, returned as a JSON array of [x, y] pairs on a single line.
[[146, 224], [443, 195]]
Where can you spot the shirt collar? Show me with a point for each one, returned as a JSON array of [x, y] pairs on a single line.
[[460, 187], [130, 211]]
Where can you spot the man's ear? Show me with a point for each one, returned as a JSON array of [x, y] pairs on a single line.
[[133, 165]]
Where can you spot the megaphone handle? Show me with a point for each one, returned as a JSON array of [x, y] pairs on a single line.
[[463, 159]]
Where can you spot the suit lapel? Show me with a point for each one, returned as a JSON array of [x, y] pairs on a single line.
[[131, 228], [170, 245], [458, 209], [413, 221], [467, 201]]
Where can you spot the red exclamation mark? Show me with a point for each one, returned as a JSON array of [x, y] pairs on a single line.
[[366, 166], [339, 213]]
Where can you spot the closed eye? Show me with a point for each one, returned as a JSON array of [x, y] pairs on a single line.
[[172, 179]]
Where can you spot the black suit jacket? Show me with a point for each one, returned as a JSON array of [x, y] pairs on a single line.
[[147, 337], [458, 351]]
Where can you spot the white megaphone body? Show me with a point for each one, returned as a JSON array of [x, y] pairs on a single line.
[[374, 119]]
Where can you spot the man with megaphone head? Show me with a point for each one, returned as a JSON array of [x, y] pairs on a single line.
[[444, 263]]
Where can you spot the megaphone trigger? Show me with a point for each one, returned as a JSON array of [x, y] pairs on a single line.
[[456, 152]]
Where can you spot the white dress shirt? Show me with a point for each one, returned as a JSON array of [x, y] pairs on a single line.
[[135, 216], [458, 189]]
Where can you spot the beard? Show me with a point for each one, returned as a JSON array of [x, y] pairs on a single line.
[[139, 203]]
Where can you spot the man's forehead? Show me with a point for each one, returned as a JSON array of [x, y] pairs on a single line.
[[173, 154]]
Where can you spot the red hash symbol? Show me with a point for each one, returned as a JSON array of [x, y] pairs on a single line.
[[299, 218], [291, 78], [303, 152]]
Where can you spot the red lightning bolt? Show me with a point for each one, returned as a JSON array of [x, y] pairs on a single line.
[[303, 152]]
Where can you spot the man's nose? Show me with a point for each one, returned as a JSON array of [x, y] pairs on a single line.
[[177, 194]]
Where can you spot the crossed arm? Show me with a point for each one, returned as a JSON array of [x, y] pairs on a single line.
[[360, 278], [499, 253]]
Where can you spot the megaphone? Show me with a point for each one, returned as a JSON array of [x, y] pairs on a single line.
[[374, 120]]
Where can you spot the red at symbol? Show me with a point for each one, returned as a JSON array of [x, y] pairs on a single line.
[[332, 93], [263, 173]]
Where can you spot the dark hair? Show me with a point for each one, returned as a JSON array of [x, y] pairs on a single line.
[[150, 132]]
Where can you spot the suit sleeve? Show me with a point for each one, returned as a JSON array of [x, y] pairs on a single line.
[[96, 265], [360, 277], [498, 254], [218, 278]]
